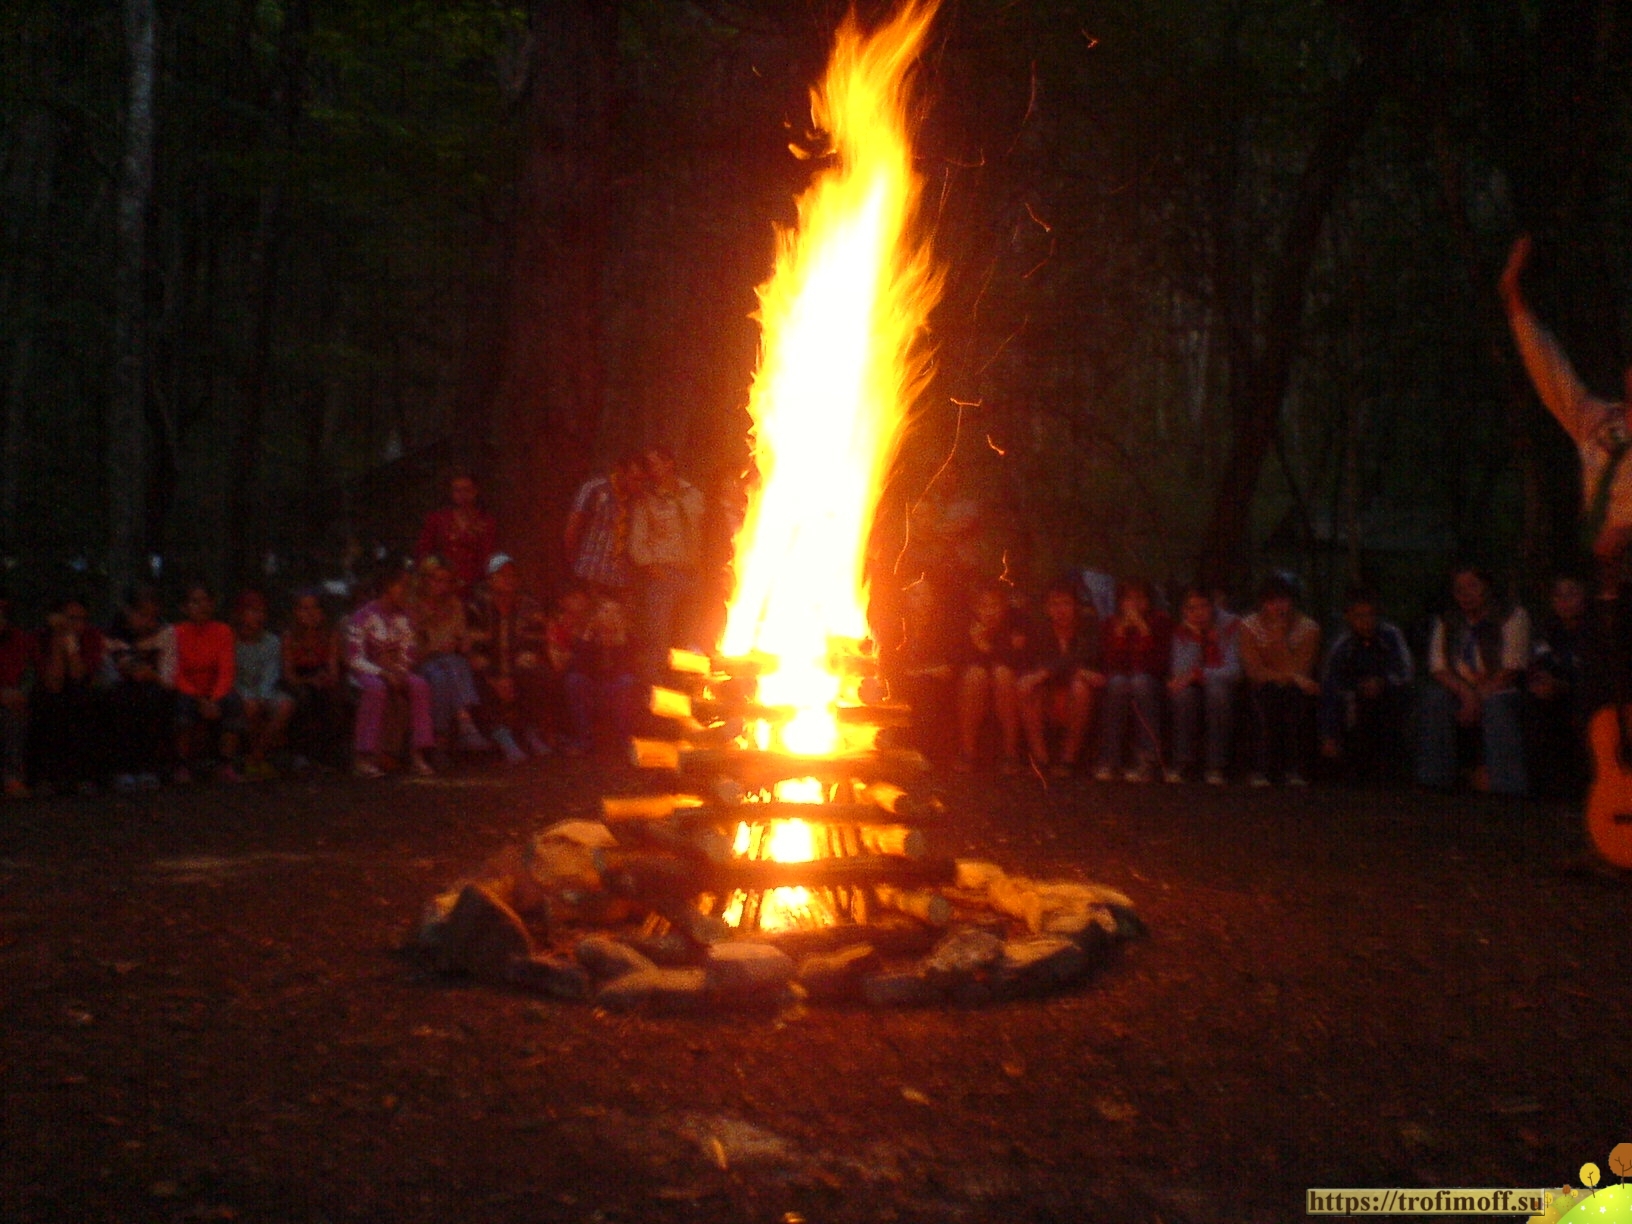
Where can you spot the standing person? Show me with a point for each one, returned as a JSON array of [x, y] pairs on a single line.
[[67, 732], [258, 676], [597, 532], [1477, 654], [665, 531], [1365, 690], [209, 715], [1204, 671], [19, 656], [1279, 649], [141, 707], [443, 625], [510, 658], [1600, 428], [1137, 642], [461, 533], [380, 654], [1058, 678], [312, 675]]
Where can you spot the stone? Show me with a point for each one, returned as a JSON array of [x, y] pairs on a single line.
[[591, 834], [909, 989], [663, 990], [481, 936], [557, 975], [608, 959], [740, 969], [1017, 897], [671, 948], [831, 976], [964, 954], [978, 874], [1041, 963]]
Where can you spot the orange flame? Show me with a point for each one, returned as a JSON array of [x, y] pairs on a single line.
[[842, 318]]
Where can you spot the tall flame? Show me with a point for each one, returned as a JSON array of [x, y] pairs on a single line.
[[841, 320]]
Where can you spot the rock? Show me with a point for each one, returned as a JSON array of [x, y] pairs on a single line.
[[559, 976], [481, 936], [1019, 898], [608, 959], [665, 990], [591, 834], [433, 920], [975, 873], [964, 954], [670, 948], [830, 976], [1042, 963], [897, 990], [747, 969], [556, 864]]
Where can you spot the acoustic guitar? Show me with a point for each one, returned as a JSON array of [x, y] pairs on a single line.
[[1609, 802]]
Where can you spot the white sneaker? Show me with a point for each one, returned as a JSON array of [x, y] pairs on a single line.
[[1296, 779], [1139, 774], [1172, 775], [1104, 774], [1215, 777], [1257, 779]]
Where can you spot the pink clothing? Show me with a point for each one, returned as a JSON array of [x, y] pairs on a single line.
[[205, 660], [372, 695], [378, 640], [465, 546]]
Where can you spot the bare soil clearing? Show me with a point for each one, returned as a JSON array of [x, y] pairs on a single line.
[[205, 1014]]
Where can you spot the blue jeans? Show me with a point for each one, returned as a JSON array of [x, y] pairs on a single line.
[[453, 688], [1501, 737], [1209, 708], [1137, 694]]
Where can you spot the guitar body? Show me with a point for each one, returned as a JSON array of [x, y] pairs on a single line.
[[1609, 802]]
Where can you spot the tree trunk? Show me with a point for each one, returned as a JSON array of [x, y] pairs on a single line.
[[547, 401], [1262, 349], [22, 297], [126, 441]]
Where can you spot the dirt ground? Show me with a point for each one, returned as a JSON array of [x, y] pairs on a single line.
[[205, 1014]]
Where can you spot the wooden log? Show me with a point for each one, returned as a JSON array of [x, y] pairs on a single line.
[[709, 844], [897, 802], [890, 715], [689, 662], [655, 753], [920, 903], [667, 703], [897, 839], [759, 769], [648, 874], [616, 808]]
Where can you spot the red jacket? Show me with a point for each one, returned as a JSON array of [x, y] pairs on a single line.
[[206, 660]]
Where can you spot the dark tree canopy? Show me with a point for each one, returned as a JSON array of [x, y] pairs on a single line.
[[1219, 298]]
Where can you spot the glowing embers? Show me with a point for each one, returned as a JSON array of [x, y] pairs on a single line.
[[787, 839]]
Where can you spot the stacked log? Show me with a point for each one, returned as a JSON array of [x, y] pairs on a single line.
[[632, 910]]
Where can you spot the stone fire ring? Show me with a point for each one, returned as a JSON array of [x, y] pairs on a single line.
[[538, 919]]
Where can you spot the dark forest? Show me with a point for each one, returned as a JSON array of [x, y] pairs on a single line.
[[1220, 296]]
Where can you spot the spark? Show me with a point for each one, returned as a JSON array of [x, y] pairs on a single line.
[[995, 446], [1089, 39], [1032, 213]]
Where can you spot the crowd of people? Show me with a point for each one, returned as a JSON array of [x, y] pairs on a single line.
[[451, 656], [1133, 692], [443, 657]]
